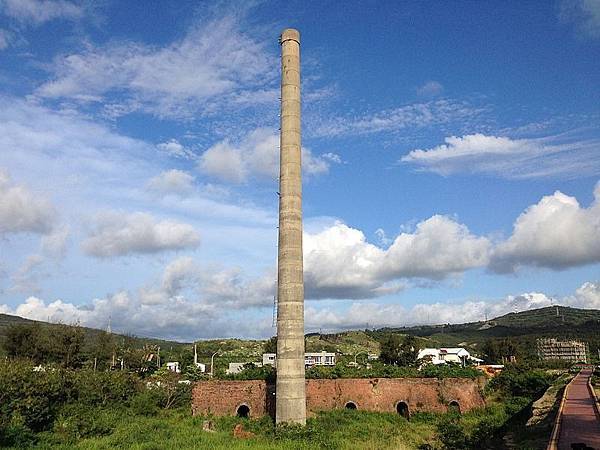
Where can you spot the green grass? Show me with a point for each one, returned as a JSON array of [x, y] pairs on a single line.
[[330, 430]]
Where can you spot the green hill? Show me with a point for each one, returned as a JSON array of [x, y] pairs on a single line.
[[522, 327], [91, 334]]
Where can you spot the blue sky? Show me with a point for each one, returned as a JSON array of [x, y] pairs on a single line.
[[451, 162]]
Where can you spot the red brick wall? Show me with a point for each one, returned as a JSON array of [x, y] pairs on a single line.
[[375, 394], [222, 398]]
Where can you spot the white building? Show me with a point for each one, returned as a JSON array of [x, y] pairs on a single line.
[[446, 355], [269, 359], [310, 359], [237, 367]]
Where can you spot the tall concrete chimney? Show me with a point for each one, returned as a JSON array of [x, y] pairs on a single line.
[[290, 388]]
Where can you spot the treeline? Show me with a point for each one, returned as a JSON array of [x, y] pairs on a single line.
[[70, 346]]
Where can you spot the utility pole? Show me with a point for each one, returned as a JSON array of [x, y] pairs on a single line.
[[212, 363]]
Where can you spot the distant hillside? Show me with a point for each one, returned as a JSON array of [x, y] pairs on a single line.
[[7, 320], [522, 327], [550, 316]]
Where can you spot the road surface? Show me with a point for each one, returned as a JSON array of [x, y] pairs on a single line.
[[579, 423]]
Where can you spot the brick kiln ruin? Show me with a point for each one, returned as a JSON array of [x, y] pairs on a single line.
[[404, 396]]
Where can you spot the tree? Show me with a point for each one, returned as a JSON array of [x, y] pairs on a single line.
[[65, 345], [398, 351], [497, 349], [26, 340], [408, 351], [270, 345], [390, 349]]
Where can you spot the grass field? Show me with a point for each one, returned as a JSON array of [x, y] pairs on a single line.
[[178, 430]]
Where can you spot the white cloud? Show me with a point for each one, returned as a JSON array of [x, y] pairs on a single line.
[[417, 115], [439, 246], [89, 166], [585, 14], [340, 263], [430, 89], [509, 158], [117, 234], [257, 155], [173, 148], [556, 233], [333, 157], [40, 11], [204, 72], [172, 182], [224, 162], [189, 301], [224, 287], [178, 319], [22, 210]]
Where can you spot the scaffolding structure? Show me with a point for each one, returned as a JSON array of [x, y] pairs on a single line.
[[570, 350]]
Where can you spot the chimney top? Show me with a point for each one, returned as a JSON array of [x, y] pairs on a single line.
[[289, 34]]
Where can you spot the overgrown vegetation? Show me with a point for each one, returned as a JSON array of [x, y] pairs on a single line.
[[76, 403], [63, 387]]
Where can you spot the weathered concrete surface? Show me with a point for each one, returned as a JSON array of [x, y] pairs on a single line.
[[291, 398], [374, 394]]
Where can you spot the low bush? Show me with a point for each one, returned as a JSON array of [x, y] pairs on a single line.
[[520, 381]]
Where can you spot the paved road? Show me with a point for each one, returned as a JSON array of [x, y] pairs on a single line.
[[579, 421]]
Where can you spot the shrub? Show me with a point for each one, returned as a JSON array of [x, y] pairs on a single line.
[[167, 391], [451, 433], [104, 388], [83, 421], [518, 381]]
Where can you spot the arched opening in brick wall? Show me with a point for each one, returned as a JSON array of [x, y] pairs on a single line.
[[243, 411], [402, 409], [454, 406], [350, 405]]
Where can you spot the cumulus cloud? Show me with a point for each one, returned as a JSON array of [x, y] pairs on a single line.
[[340, 263], [358, 315], [189, 301], [204, 72], [184, 319], [21, 210], [430, 89], [509, 158], [118, 234], [39, 11], [225, 287], [179, 319], [556, 233], [172, 181], [257, 155]]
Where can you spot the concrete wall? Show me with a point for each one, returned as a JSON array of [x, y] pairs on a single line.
[[374, 394]]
